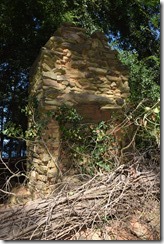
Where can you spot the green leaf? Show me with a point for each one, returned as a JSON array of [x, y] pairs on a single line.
[[156, 110]]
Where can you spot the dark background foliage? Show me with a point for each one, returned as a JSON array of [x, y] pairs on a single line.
[[25, 26]]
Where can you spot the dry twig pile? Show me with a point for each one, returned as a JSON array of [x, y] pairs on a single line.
[[95, 202]]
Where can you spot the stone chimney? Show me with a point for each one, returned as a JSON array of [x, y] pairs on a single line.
[[76, 70]]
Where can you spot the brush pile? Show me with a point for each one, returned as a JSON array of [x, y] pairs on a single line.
[[95, 204]]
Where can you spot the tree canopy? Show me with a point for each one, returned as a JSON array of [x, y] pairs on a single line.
[[25, 26]]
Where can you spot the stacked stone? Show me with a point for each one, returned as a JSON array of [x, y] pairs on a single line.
[[45, 154], [73, 69]]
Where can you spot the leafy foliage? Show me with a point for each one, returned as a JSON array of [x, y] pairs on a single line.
[[90, 147], [147, 118], [142, 78], [134, 24], [145, 95]]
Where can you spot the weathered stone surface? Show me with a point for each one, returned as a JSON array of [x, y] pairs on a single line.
[[33, 176], [78, 64], [113, 78], [36, 160], [125, 87], [46, 67], [120, 101], [124, 95], [52, 173], [51, 164], [113, 84], [42, 169], [87, 97], [52, 102], [50, 74], [98, 70], [40, 185], [45, 157], [42, 177], [110, 107]]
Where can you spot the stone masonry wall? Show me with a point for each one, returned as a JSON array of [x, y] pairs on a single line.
[[77, 70]]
